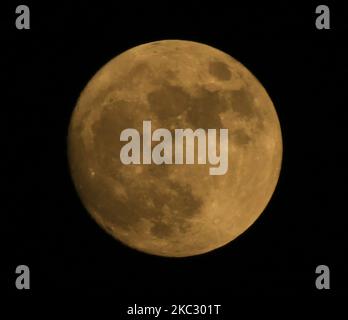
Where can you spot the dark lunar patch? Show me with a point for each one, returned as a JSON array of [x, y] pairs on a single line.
[[242, 103], [76, 152], [137, 70], [185, 202], [158, 170], [100, 195], [175, 197], [107, 129], [170, 74], [204, 111], [240, 137], [168, 102], [184, 225], [219, 70], [94, 190], [161, 230]]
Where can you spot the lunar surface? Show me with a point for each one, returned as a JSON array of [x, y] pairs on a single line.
[[174, 210]]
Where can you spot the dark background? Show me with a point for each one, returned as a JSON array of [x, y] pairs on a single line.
[[303, 69]]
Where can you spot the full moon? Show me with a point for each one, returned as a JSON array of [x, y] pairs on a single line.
[[169, 209]]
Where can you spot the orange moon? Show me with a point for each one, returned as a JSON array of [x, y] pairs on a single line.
[[174, 210]]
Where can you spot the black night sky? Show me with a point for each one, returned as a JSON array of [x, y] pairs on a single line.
[[303, 69]]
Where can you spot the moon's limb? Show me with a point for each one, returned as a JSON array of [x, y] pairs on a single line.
[[174, 210]]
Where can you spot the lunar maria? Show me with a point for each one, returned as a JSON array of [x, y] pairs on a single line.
[[162, 153]]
